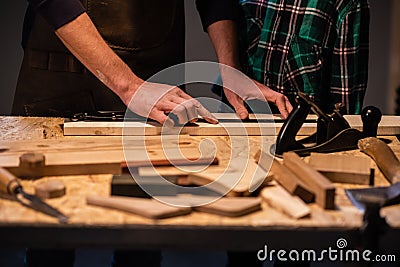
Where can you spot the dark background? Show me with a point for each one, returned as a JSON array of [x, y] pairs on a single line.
[[199, 48]]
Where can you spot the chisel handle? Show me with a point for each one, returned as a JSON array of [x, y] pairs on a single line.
[[384, 157], [8, 182]]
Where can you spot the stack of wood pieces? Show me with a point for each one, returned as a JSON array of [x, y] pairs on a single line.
[[299, 183]]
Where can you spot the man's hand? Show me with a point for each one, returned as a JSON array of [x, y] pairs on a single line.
[[151, 100], [239, 87], [278, 99], [156, 101]]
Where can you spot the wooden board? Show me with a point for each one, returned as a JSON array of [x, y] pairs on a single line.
[[286, 178], [148, 208], [97, 155], [389, 125], [225, 206], [342, 168], [232, 207], [278, 198], [323, 189]]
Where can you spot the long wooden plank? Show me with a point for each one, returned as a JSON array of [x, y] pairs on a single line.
[[323, 188], [389, 125], [98, 155]]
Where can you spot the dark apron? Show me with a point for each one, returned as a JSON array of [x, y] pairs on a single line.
[[147, 35]]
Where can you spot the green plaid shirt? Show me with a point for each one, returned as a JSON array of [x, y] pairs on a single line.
[[319, 47]]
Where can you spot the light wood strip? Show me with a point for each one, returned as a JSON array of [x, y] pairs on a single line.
[[389, 125]]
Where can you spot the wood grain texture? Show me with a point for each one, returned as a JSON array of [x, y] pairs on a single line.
[[323, 189], [97, 155], [280, 199], [342, 168], [109, 225]]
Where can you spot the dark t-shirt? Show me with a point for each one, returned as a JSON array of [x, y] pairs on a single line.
[[59, 12]]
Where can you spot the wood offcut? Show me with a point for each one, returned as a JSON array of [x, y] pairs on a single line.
[[323, 189]]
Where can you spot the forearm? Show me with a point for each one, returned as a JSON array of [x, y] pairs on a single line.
[[224, 39], [83, 40]]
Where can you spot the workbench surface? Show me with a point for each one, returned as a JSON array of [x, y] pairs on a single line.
[[91, 226]]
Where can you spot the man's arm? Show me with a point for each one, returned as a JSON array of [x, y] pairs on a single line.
[[81, 37], [218, 18]]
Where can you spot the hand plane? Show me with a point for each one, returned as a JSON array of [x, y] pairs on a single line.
[[333, 131]]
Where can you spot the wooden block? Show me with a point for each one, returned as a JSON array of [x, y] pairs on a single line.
[[148, 208], [342, 168], [287, 179], [240, 179], [278, 198], [323, 189], [125, 185], [50, 189]]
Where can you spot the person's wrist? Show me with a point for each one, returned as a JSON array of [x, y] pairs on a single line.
[[128, 90]]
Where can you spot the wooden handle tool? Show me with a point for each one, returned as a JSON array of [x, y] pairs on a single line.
[[384, 157], [8, 182]]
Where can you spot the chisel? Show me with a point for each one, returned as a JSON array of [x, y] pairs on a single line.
[[9, 184]]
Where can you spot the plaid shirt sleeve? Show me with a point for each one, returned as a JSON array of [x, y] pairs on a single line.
[[317, 47]]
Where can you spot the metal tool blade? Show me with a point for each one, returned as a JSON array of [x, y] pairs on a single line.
[[36, 203], [381, 196]]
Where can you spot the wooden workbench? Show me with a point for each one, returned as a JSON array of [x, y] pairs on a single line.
[[91, 226]]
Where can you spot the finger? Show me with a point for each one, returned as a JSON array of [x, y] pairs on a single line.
[[182, 94], [200, 109], [191, 110], [207, 115], [288, 105], [237, 104], [165, 105], [181, 114], [281, 104], [160, 116]]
